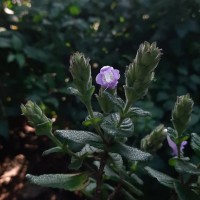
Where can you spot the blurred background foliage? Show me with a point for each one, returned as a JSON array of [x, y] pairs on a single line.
[[38, 37]]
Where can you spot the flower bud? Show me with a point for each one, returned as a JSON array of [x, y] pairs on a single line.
[[154, 141], [37, 118], [81, 73], [182, 112], [140, 72]]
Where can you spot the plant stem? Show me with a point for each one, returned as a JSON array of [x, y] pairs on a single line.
[[115, 192], [125, 110], [68, 151], [100, 175], [97, 128]]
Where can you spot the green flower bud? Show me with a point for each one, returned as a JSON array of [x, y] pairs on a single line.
[[154, 141], [81, 73], [140, 72], [37, 118], [182, 112]]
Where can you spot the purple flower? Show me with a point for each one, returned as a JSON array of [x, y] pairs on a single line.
[[174, 146], [108, 77]]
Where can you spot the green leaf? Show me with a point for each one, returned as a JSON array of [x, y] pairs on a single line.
[[195, 143], [115, 100], [184, 193], [52, 150], [125, 183], [130, 153], [132, 188], [16, 42], [37, 54], [172, 133], [73, 91], [161, 177], [74, 10], [81, 137], [127, 195], [71, 182], [86, 150], [95, 120], [76, 163], [11, 57], [5, 43], [186, 167], [110, 126], [137, 112], [116, 159], [20, 59], [137, 179]]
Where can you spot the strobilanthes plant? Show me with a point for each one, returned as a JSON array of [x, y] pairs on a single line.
[[105, 161]]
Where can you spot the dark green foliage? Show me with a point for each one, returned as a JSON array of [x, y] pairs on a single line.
[[34, 57]]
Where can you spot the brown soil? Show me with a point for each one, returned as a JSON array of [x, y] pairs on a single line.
[[21, 154]]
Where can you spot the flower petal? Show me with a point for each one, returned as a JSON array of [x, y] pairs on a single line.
[[172, 145]]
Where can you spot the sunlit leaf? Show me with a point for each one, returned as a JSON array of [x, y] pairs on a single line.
[[161, 177], [71, 182]]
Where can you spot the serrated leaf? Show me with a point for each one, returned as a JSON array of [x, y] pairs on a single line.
[[71, 182], [81, 137], [161, 177], [184, 193], [110, 126], [195, 143], [52, 150], [137, 112], [130, 153], [186, 167]]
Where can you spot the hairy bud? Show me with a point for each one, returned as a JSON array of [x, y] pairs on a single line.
[[140, 72], [182, 112], [37, 118], [154, 141]]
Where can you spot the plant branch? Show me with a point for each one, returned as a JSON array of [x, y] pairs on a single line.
[[100, 173], [115, 192], [97, 128]]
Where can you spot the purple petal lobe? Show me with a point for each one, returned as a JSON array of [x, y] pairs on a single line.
[[183, 145], [173, 146], [108, 77]]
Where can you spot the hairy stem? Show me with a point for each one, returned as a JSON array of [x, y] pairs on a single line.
[[68, 151], [100, 173], [97, 128]]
